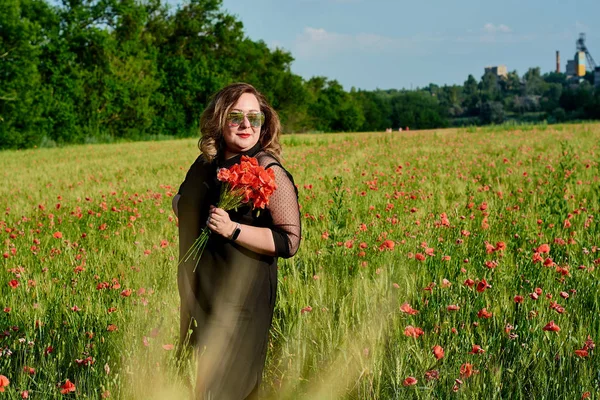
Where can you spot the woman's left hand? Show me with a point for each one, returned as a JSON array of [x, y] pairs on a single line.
[[219, 222]]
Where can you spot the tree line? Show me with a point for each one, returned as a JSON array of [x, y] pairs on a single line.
[[84, 71]]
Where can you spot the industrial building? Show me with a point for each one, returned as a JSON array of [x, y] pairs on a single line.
[[581, 63], [499, 70]]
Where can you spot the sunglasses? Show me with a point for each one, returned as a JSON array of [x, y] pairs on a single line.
[[256, 119]]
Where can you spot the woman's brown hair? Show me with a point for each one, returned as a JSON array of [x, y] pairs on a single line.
[[213, 120]]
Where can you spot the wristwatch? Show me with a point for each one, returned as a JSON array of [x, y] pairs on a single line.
[[236, 232]]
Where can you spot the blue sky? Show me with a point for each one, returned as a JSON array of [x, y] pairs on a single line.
[[386, 44]]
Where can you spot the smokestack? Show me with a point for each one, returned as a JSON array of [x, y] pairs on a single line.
[[557, 62]]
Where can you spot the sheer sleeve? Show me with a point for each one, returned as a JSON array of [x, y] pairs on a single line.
[[284, 209]]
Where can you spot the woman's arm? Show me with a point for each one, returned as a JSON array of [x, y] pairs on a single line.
[[282, 239], [174, 204], [256, 239]]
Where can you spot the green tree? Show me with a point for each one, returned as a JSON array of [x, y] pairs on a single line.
[[471, 95], [23, 26]]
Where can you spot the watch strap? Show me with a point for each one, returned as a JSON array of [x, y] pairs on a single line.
[[236, 232]]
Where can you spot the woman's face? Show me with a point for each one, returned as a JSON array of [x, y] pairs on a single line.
[[243, 136]]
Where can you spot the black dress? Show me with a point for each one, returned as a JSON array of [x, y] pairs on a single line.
[[227, 303]]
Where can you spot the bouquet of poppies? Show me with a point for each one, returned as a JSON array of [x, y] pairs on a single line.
[[243, 183]]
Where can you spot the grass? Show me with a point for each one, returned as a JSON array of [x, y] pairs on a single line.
[[89, 248]]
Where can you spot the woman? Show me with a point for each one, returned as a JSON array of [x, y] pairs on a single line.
[[227, 302]]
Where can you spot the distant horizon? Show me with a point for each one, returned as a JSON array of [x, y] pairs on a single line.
[[384, 45]]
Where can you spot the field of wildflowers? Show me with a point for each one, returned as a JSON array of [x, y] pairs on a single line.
[[434, 264]]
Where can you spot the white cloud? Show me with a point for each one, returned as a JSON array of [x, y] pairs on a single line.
[[491, 28], [317, 42]]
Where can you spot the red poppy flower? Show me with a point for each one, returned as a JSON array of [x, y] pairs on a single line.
[[484, 313], [67, 387], [482, 285], [387, 245], [410, 381], [453, 307], [4, 382], [581, 353], [477, 349], [406, 308], [518, 299], [545, 248], [411, 331], [438, 352], [466, 370], [551, 327]]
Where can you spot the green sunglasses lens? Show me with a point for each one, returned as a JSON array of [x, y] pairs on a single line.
[[255, 119]]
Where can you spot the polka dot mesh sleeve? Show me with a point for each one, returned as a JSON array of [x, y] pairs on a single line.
[[284, 209]]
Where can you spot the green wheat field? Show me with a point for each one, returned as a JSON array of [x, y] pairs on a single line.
[[434, 264]]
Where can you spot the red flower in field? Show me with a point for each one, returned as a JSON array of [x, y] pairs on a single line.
[[548, 262], [420, 257], [67, 387], [545, 248], [477, 349], [411, 331], [126, 293], [482, 285], [536, 258], [551, 327], [29, 370], [387, 245], [111, 328], [564, 295], [489, 248], [466, 370], [469, 282], [13, 283], [58, 235], [446, 283], [432, 374], [518, 299], [48, 350], [4, 382], [410, 381], [500, 246], [586, 395], [25, 394], [85, 362], [453, 307], [406, 308], [582, 353], [430, 252], [534, 296], [168, 346], [484, 313], [306, 310], [438, 352]]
